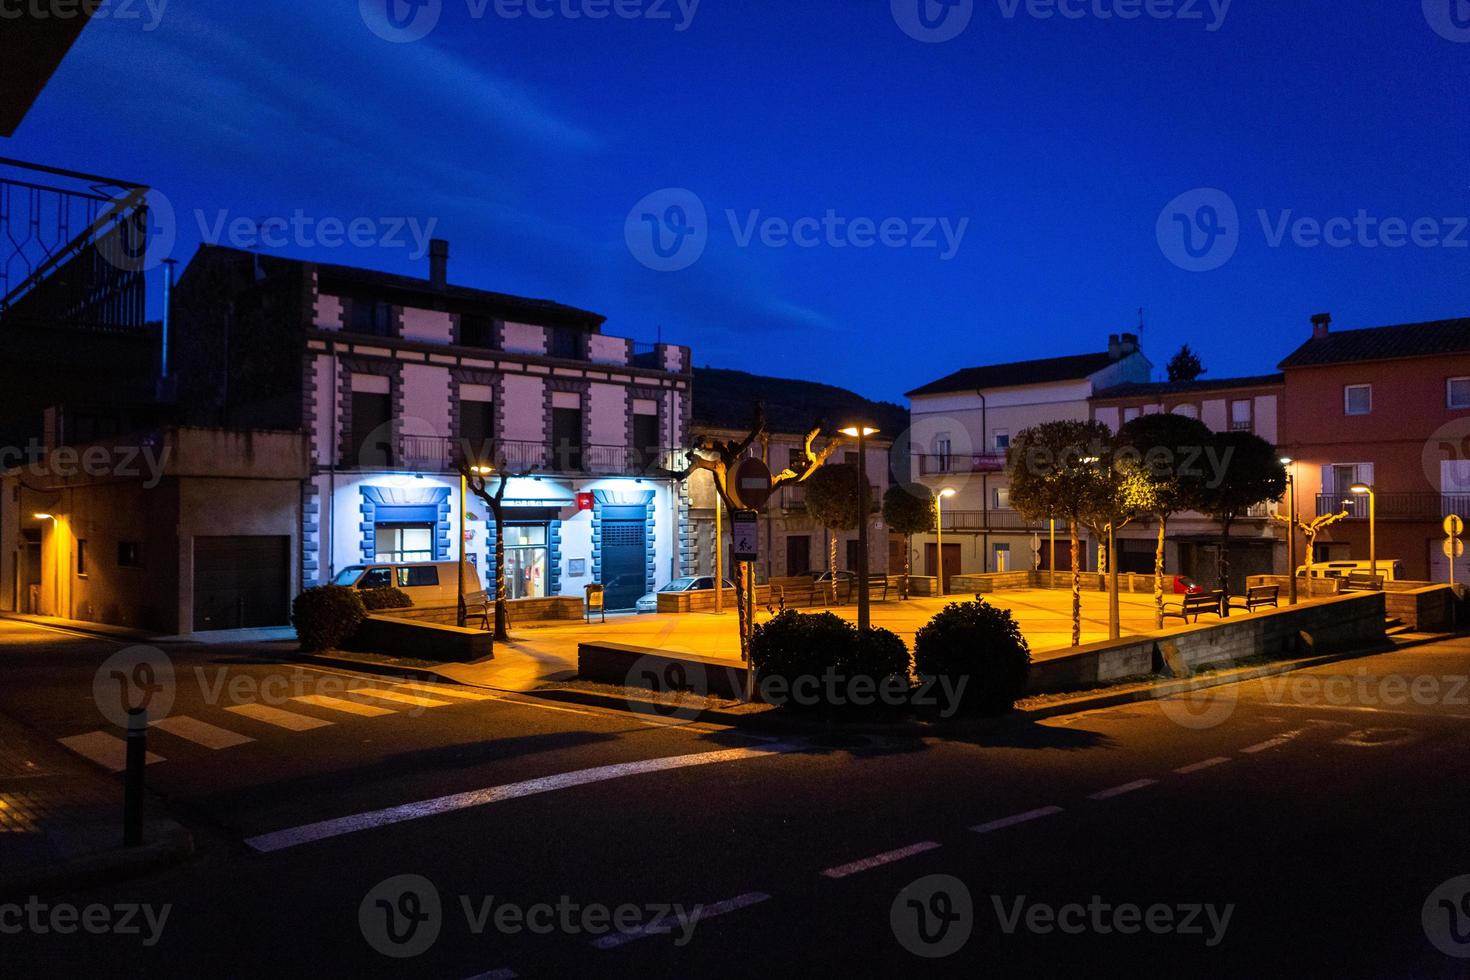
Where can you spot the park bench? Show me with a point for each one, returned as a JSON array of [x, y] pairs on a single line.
[[1363, 582], [1259, 597], [796, 594], [1193, 605], [878, 587]]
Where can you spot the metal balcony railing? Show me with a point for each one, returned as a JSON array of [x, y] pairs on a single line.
[[934, 464], [437, 454], [1397, 506], [993, 520]]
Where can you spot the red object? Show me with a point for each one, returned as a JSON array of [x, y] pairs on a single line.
[[584, 501], [1186, 586]]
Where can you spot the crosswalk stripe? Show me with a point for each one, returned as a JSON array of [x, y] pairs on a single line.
[[106, 750], [448, 691], [383, 694], [276, 716], [201, 732], [342, 704]]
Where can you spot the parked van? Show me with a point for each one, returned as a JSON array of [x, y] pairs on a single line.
[[1391, 569], [427, 583]]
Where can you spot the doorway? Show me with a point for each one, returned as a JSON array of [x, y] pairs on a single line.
[[951, 562]]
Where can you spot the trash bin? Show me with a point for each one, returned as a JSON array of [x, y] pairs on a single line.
[[595, 603]]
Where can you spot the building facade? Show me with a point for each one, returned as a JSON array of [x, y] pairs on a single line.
[[395, 381]]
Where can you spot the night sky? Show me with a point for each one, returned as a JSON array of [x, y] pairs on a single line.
[[1053, 145]]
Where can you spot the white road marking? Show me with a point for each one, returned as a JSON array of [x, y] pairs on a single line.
[[878, 860], [496, 975], [106, 750], [1197, 766], [1137, 784], [616, 939], [383, 694], [1270, 743], [1005, 822], [325, 829], [275, 716], [447, 690], [342, 704], [201, 732]]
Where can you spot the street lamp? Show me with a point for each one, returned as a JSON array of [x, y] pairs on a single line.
[[861, 433], [939, 530], [43, 517], [1362, 488], [1289, 463]]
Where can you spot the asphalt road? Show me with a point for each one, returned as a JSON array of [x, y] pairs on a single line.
[[1287, 827]]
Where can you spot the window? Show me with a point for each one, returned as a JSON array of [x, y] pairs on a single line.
[[1001, 498], [418, 578], [1129, 414], [1457, 392], [566, 343], [129, 555], [373, 319], [1188, 411], [376, 578], [1337, 482], [526, 561], [1357, 399], [797, 460], [477, 429], [1240, 415], [477, 331], [645, 440], [405, 542], [942, 453], [372, 429], [81, 557], [1002, 440], [566, 438]]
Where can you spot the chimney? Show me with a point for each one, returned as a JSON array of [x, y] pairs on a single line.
[[1115, 349], [1127, 344], [439, 262], [1321, 323]]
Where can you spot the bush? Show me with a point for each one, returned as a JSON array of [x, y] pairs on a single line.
[[826, 647], [389, 598], [326, 616], [879, 654], [795, 644], [980, 644]]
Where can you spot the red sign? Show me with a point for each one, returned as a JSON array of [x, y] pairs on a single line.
[[584, 501]]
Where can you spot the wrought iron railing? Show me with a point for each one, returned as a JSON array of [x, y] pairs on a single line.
[[934, 464], [437, 454], [1396, 506]]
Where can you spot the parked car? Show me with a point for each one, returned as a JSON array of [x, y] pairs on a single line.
[[690, 583], [1391, 569], [427, 583], [1184, 585]]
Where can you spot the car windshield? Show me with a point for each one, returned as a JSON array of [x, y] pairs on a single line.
[[348, 575], [678, 585]]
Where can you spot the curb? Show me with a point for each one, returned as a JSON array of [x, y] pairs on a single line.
[[387, 670], [175, 846]]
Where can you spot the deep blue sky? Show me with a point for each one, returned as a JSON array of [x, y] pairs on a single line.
[[1060, 140]]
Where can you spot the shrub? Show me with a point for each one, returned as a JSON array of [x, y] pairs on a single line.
[[795, 644], [879, 654], [980, 644], [824, 647], [326, 616], [389, 598]]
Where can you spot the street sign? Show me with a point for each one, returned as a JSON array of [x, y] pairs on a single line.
[[745, 535], [1453, 548], [750, 484], [1454, 526]]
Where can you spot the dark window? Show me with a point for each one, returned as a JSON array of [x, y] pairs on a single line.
[[566, 343], [129, 555], [477, 331], [82, 557], [377, 578], [372, 430], [477, 430], [798, 460], [566, 438], [645, 440], [409, 578], [368, 317], [798, 554]]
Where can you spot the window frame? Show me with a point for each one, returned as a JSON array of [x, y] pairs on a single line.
[[1449, 397], [1347, 399]]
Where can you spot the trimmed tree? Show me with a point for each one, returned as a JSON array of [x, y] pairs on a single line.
[[909, 510], [1242, 470], [1185, 365], [1055, 474], [832, 500], [1154, 460]]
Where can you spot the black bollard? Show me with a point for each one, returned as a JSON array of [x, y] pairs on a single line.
[[137, 758]]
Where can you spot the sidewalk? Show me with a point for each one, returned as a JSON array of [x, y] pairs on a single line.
[[120, 633], [61, 821]]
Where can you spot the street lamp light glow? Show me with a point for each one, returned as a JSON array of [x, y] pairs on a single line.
[[43, 517], [948, 492], [1360, 488], [482, 470], [1287, 461], [854, 431]]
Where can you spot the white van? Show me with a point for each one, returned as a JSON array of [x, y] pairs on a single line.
[[1391, 569], [427, 583]]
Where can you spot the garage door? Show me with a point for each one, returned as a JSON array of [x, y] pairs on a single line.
[[241, 583], [624, 561]]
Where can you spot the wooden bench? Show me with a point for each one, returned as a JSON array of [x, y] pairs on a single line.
[[1363, 582], [878, 587], [797, 594], [1259, 597], [1193, 605]]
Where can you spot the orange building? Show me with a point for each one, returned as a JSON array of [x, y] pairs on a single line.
[[1388, 407]]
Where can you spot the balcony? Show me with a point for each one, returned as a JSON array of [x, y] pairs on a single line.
[[991, 520], [1397, 506], [436, 454], [936, 464]]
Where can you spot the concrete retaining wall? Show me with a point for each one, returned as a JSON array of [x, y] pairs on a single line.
[[658, 670], [1430, 609], [703, 600], [521, 611], [397, 637], [1338, 623]]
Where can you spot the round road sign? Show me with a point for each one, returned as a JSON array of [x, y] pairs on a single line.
[[750, 484], [1454, 526], [1453, 548]]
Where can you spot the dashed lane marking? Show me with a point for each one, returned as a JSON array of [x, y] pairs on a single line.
[[1270, 743], [106, 750], [342, 704], [447, 691], [664, 927], [383, 694], [1197, 766], [326, 829], [1011, 821], [289, 720], [201, 732], [878, 860], [1137, 784]]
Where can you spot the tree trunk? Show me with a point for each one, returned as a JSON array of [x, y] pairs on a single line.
[[1223, 566], [908, 563], [1076, 584], [502, 609], [832, 564], [1159, 576], [741, 570]]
